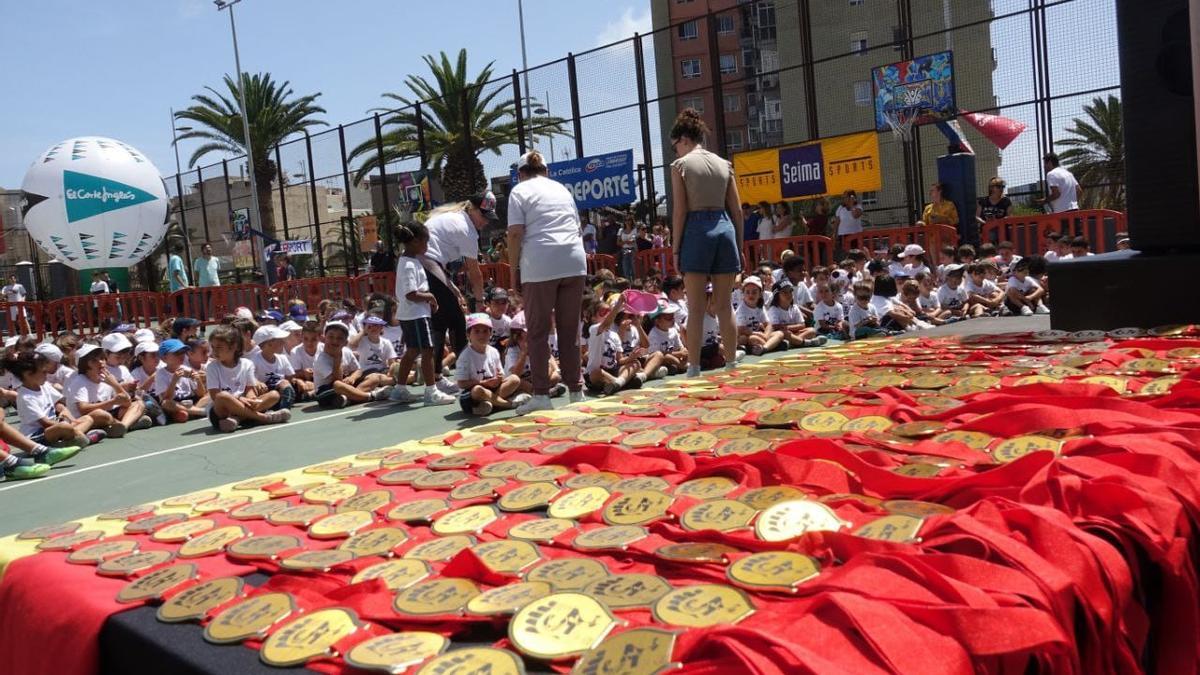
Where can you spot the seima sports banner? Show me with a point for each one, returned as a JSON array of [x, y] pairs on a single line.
[[599, 180], [824, 167]]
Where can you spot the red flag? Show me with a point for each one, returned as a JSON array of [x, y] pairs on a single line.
[[999, 130]]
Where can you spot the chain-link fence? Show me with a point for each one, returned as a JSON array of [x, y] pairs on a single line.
[[788, 72]]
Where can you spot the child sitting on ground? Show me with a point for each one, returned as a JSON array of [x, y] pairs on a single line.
[[117, 353], [608, 370], [57, 372], [96, 393], [145, 354], [271, 365], [497, 311], [176, 386], [635, 344], [1024, 294], [44, 418], [674, 293], [338, 376], [303, 355], [375, 355], [829, 314], [894, 315], [237, 397], [864, 320], [413, 311], [786, 316], [665, 338], [480, 373], [910, 297], [516, 360], [952, 297], [755, 332], [983, 296]]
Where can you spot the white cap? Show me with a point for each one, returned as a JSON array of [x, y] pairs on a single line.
[[753, 280], [115, 342], [143, 347], [269, 332], [243, 313], [144, 335], [291, 326], [914, 249], [49, 351], [85, 349]]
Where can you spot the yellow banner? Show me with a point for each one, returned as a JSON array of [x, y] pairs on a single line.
[[824, 167]]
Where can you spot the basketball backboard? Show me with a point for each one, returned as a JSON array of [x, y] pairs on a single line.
[[914, 92]]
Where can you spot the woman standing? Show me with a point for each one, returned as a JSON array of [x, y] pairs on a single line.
[[996, 205], [766, 221], [939, 210], [706, 232], [783, 221], [454, 236], [544, 241], [818, 220], [628, 237]]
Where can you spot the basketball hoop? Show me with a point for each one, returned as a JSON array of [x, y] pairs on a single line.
[[901, 120]]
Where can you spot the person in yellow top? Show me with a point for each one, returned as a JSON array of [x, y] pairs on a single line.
[[939, 210]]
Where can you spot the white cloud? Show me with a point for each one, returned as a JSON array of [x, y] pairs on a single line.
[[624, 27], [191, 8]]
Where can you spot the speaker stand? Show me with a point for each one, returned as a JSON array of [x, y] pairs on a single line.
[[1124, 288]]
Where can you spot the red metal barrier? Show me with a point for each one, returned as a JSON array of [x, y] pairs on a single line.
[[930, 237], [500, 274], [661, 259], [601, 261], [210, 304], [814, 249], [376, 282], [23, 318], [313, 291], [1028, 233]]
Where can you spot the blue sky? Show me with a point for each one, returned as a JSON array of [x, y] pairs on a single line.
[[78, 68]]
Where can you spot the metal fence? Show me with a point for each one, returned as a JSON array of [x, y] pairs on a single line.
[[789, 71]]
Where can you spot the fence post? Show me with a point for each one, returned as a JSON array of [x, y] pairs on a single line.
[[644, 112], [421, 135], [382, 168], [316, 217], [187, 236], [575, 121], [237, 271], [282, 192], [351, 254], [714, 64], [203, 208], [809, 70], [520, 117]]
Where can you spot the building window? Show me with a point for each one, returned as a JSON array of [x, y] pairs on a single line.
[[857, 3], [770, 60], [725, 24], [870, 198], [773, 109], [858, 42], [772, 126], [696, 102], [862, 92], [733, 103], [728, 63], [735, 140], [690, 68], [689, 30]]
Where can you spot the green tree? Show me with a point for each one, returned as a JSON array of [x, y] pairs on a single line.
[[452, 151], [1095, 153], [274, 114]]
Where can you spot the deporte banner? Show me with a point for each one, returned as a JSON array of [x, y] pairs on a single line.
[[828, 166], [600, 180]]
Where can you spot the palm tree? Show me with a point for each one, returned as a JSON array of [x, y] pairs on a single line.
[[274, 115], [451, 151], [1096, 153]]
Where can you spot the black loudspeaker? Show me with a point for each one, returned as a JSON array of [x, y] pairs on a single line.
[[1158, 104]]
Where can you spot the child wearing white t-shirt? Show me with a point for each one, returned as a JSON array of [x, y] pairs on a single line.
[[176, 386], [635, 343], [952, 296], [608, 370], [665, 338], [829, 314], [983, 295], [271, 365], [755, 332], [1024, 294], [785, 315], [483, 385], [44, 417], [237, 397], [516, 360], [415, 306], [864, 320]]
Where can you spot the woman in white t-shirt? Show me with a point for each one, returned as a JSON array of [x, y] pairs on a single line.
[[543, 237], [454, 236], [849, 214]]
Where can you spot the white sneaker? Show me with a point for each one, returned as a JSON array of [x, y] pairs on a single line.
[[661, 372], [534, 404], [520, 400], [1026, 311], [435, 397], [447, 387], [482, 408], [382, 393], [577, 397], [1042, 309], [401, 394], [737, 357]]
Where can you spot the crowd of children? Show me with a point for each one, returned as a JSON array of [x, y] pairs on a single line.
[[70, 393]]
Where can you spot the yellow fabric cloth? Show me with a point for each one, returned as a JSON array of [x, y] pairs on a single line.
[[944, 214]]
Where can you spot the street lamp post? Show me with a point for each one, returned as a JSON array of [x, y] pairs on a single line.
[[237, 60], [545, 110], [187, 236], [524, 60]]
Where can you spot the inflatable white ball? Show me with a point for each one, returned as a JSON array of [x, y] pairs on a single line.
[[95, 202]]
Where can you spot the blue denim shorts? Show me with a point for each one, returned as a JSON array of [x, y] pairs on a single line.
[[709, 244]]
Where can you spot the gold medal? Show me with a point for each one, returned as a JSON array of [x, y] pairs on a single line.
[[418, 510], [154, 584], [791, 519], [1159, 386], [720, 514], [560, 433], [379, 541], [56, 530], [742, 446], [709, 487], [566, 574], [604, 479], [475, 661], [302, 515], [402, 458], [915, 508], [265, 547], [624, 591], [773, 570], [541, 530], [125, 565], [690, 413], [366, 501], [436, 596], [653, 648], [66, 542], [722, 416], [221, 504], [558, 447], [823, 422], [395, 652], [258, 510], [976, 440], [127, 512], [529, 496], [506, 469], [693, 441], [612, 536], [211, 542], [546, 473], [460, 460], [308, 636], [931, 381], [776, 418], [699, 553], [764, 497], [645, 439], [329, 493], [560, 625], [476, 489], [918, 470], [401, 476], [440, 549], [898, 528], [736, 431], [467, 520], [441, 480], [703, 605], [1019, 446], [885, 380], [396, 574], [250, 618], [634, 426], [95, 554], [760, 405], [518, 443], [868, 423], [599, 435], [640, 483], [290, 490], [919, 429], [375, 455], [340, 525], [258, 483], [1117, 384], [677, 427], [327, 467], [507, 557], [1168, 331], [578, 503], [180, 532], [195, 602], [504, 600], [637, 507], [191, 499], [322, 561]]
